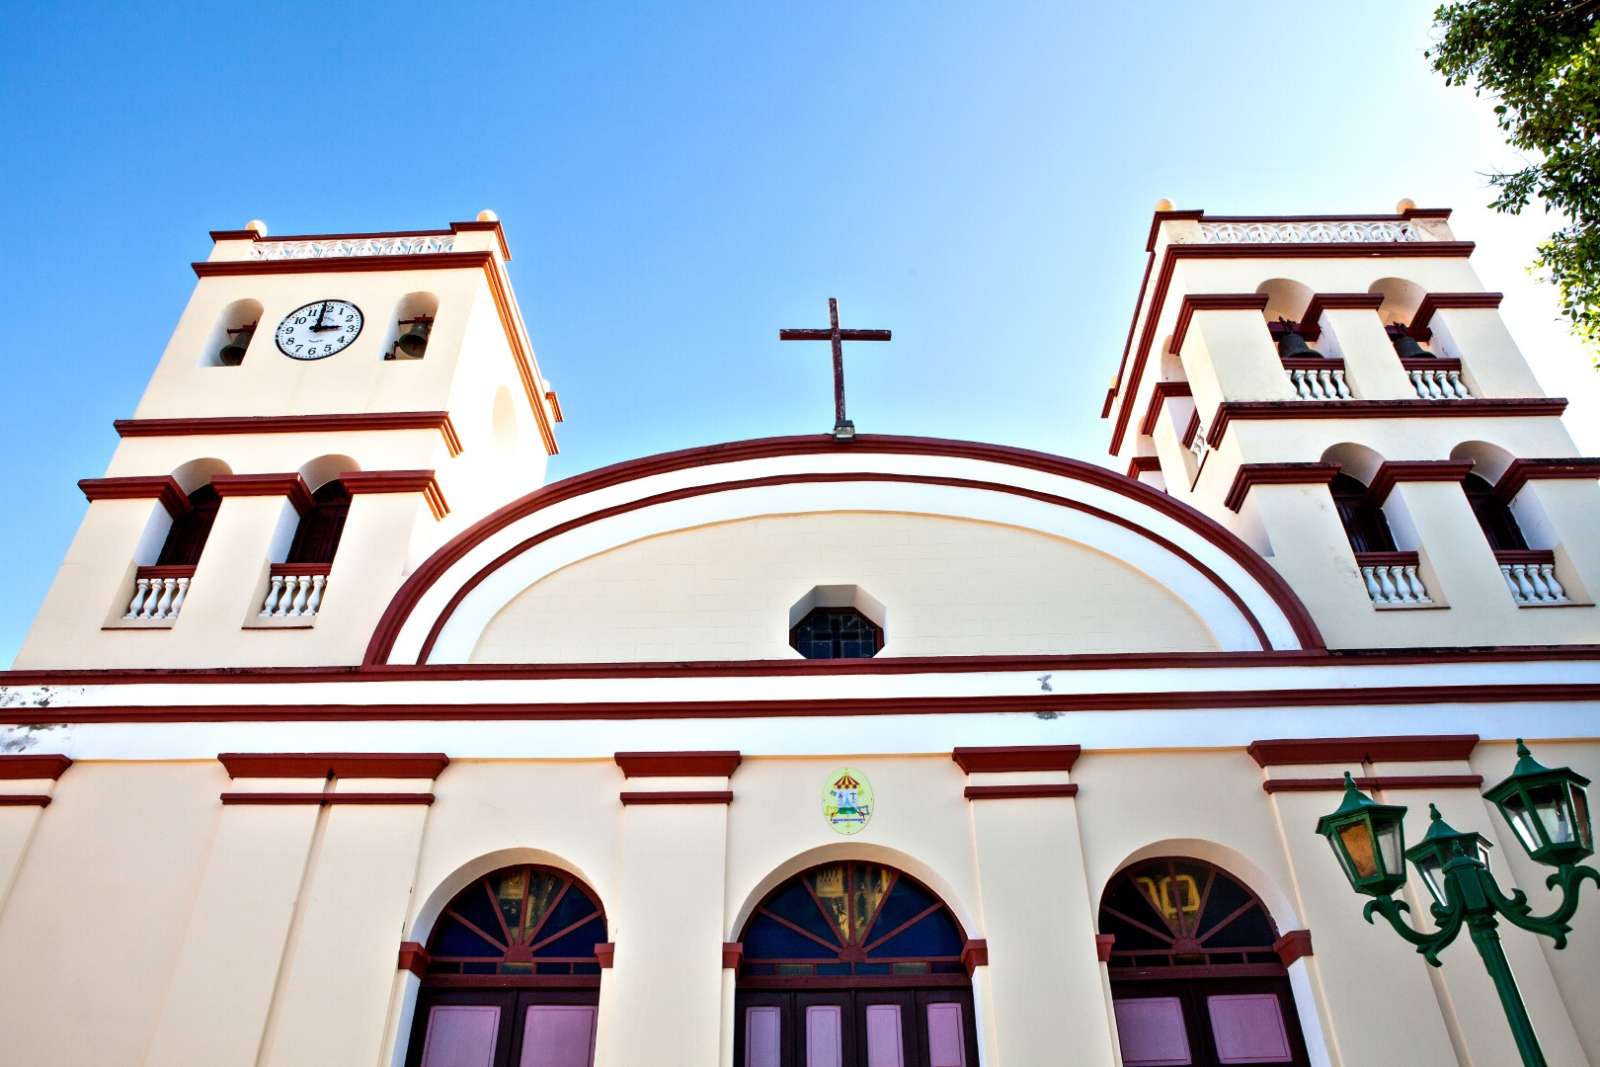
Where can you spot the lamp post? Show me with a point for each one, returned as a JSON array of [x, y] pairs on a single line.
[[1547, 810]]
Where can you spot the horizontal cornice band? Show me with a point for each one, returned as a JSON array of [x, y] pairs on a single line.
[[677, 796], [1393, 472], [1522, 471], [326, 799], [1003, 758], [1283, 752], [1252, 474], [1020, 792], [1475, 408], [1393, 781], [405, 481], [160, 487], [22, 767], [720, 764], [332, 423], [333, 764]]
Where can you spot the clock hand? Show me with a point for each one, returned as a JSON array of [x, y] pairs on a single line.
[[323, 310]]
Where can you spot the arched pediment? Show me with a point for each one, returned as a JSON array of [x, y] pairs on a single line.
[[444, 609]]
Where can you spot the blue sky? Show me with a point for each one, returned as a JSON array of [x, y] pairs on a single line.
[[679, 181]]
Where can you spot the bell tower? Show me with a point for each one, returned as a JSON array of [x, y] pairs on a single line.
[[329, 409], [1341, 392]]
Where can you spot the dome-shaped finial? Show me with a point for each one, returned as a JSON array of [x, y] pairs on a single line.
[[258, 226], [1163, 204], [1406, 204], [488, 216]]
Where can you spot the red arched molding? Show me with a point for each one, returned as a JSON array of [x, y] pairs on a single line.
[[435, 566]]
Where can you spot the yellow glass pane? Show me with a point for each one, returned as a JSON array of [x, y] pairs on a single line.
[[871, 883], [1358, 844], [828, 884], [512, 895], [543, 888]]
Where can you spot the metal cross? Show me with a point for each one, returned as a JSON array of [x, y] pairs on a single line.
[[843, 428]]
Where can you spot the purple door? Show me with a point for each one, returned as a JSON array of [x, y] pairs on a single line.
[[1207, 1022], [859, 1028]]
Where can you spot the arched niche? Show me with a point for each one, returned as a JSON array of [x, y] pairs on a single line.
[[233, 331], [1489, 461], [413, 314], [1401, 298], [197, 472], [1286, 298], [324, 469], [503, 422], [1358, 461]]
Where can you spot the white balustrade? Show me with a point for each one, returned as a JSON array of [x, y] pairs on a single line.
[[354, 246], [1533, 583], [1432, 384], [293, 596], [1322, 383], [157, 599], [1198, 443], [1395, 585], [1332, 232]]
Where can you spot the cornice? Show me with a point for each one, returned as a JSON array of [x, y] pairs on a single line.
[[1193, 302], [1519, 472], [160, 487], [1435, 301], [332, 423], [24, 767], [1476, 407], [1158, 396], [1001, 758], [1393, 472], [288, 484], [403, 481], [1284, 752], [333, 764], [1253, 474], [719, 764]]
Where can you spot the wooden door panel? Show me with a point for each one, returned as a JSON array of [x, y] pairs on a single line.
[[461, 1035]]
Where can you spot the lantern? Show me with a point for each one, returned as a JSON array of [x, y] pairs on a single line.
[[1547, 809], [1439, 845], [1368, 839]]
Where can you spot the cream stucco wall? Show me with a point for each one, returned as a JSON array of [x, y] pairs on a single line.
[[953, 588]]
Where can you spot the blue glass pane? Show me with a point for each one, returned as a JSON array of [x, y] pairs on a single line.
[[935, 935], [794, 903], [767, 940], [453, 939], [580, 942], [905, 900], [872, 968], [475, 906], [833, 968], [573, 906]]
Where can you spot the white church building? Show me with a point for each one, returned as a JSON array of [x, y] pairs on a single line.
[[344, 739]]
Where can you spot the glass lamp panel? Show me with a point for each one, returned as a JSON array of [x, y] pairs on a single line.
[[1580, 811], [1360, 853], [1344, 860], [1555, 816], [1515, 809], [1389, 847], [1432, 872]]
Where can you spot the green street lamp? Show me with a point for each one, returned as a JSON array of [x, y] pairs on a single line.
[[1547, 810]]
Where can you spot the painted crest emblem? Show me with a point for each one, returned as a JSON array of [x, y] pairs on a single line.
[[847, 801]]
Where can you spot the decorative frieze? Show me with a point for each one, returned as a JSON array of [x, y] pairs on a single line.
[[338, 248], [1328, 232]]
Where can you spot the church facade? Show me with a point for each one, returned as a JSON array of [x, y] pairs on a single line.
[[344, 738]]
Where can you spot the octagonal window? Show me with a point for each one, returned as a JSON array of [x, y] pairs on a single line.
[[836, 633]]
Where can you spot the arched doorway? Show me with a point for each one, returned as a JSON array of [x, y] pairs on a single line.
[[512, 977], [1194, 975], [853, 964]]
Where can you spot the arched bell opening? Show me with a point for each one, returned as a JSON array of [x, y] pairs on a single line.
[[1402, 300], [1287, 301], [853, 963], [316, 536], [411, 327], [231, 335], [511, 973], [1196, 974]]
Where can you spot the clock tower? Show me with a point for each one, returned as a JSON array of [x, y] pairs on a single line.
[[329, 409]]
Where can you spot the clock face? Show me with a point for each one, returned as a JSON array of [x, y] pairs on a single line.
[[319, 330]]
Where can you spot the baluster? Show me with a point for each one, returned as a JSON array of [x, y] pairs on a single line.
[[274, 590], [1419, 592], [1511, 583], [1459, 386], [1324, 385], [318, 581], [1404, 576], [1556, 589], [1386, 583], [141, 586], [165, 600], [301, 587], [1526, 595], [1541, 592], [177, 601], [1341, 387], [1297, 378], [1370, 576], [1416, 383]]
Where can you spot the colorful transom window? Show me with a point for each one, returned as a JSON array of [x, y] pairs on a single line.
[[526, 920], [836, 633], [851, 919], [1184, 913]]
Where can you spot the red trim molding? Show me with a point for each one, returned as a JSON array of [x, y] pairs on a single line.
[[1001, 758], [163, 488], [974, 954], [25, 768], [1128, 383], [1393, 472], [732, 955], [1193, 302], [1401, 781], [325, 799], [333, 764], [1139, 464], [1020, 792], [1321, 302], [1293, 945], [1158, 396], [678, 796], [354, 422], [222, 268], [1522, 471], [414, 958], [1476, 407], [24, 800], [720, 764], [606, 953], [290, 485], [1102, 946], [1435, 301], [1254, 474], [1286, 752], [414, 481], [406, 599]]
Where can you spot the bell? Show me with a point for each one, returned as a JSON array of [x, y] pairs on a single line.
[[232, 353], [1406, 346], [414, 342], [1292, 346]]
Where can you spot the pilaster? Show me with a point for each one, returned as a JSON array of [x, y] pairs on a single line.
[[26, 786], [1371, 365]]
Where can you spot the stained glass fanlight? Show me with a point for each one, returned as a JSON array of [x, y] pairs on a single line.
[[1179, 912], [851, 919], [526, 920]]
